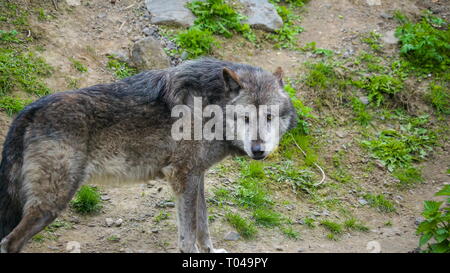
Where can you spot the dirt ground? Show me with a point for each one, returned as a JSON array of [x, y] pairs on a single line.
[[90, 31]]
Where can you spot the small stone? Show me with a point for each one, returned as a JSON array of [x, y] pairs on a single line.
[[262, 14], [363, 201], [279, 249], [373, 2], [419, 220], [148, 54], [154, 230], [109, 222], [300, 250], [105, 198], [364, 100], [165, 204], [232, 236], [73, 3], [389, 37], [341, 134], [170, 12], [184, 55], [118, 222], [386, 15]]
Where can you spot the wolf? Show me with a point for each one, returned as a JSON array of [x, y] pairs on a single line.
[[123, 129]]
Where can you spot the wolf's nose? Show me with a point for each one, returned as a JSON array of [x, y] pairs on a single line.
[[257, 151]]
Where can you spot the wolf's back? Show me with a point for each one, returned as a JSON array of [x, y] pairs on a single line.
[[10, 172]]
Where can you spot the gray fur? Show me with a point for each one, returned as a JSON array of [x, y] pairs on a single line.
[[123, 130]]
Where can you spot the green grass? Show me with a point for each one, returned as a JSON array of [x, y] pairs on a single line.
[[267, 218], [87, 200], [380, 202], [196, 42], [373, 40], [162, 215], [23, 71], [13, 105], [286, 36], [353, 224], [79, 66], [425, 44], [362, 116], [290, 233], [439, 97], [334, 227], [243, 226], [408, 176], [217, 17], [381, 86], [120, 69], [401, 148]]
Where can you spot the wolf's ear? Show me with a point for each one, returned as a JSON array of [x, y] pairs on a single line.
[[279, 75], [232, 82]]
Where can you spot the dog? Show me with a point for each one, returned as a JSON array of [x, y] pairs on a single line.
[[124, 129]]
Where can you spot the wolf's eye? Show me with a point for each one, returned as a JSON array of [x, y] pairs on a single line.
[[269, 117]]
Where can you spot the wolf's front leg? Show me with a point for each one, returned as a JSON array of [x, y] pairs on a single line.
[[203, 238], [187, 214]]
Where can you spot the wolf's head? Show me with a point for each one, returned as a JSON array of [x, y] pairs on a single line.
[[263, 111]]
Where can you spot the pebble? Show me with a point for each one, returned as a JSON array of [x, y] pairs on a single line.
[[109, 222], [118, 222], [232, 236]]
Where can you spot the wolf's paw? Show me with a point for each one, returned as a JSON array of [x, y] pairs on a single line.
[[219, 250]]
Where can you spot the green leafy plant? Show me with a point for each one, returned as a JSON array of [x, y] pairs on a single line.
[[87, 200], [380, 86], [267, 218], [216, 16], [78, 65], [361, 115], [408, 176], [435, 229], [303, 112], [286, 36], [380, 202], [120, 69], [425, 44], [196, 42], [373, 40]]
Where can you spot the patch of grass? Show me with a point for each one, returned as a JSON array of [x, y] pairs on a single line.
[[353, 224], [408, 176], [286, 36], [87, 200], [196, 42], [309, 222], [243, 226], [439, 97], [113, 238], [251, 193], [400, 148], [380, 86], [303, 112], [300, 180], [321, 75], [267, 218], [373, 40], [360, 111], [425, 44], [23, 71], [216, 16], [13, 105], [120, 69], [161, 216], [9, 37], [290, 233], [334, 227], [79, 66], [332, 237], [380, 202]]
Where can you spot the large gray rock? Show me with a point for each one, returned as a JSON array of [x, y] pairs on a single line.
[[262, 14], [148, 53], [170, 12]]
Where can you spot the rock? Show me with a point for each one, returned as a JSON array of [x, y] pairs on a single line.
[[262, 15], [184, 55], [118, 222], [373, 2], [149, 31], [389, 37], [155, 230], [363, 201], [386, 15], [148, 54], [419, 220], [109, 222], [120, 55], [170, 12], [341, 134], [279, 249], [73, 2], [232, 236], [300, 250], [165, 204], [364, 100], [105, 198]]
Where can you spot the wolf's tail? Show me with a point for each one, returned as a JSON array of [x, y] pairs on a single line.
[[11, 204]]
